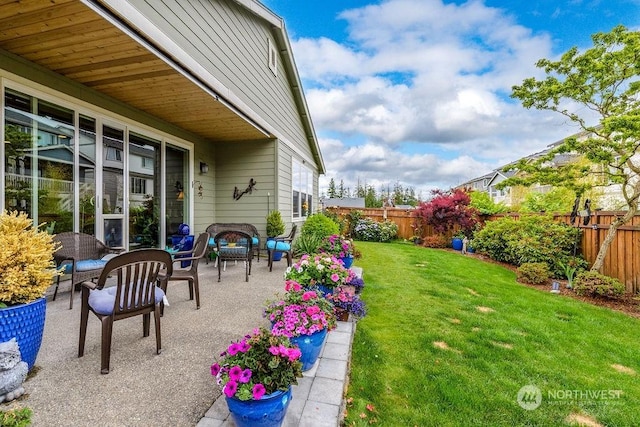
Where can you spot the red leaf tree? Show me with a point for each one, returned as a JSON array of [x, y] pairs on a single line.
[[445, 211]]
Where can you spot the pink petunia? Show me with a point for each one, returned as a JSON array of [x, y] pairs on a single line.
[[233, 349], [335, 277], [258, 391], [230, 388], [215, 369], [235, 373]]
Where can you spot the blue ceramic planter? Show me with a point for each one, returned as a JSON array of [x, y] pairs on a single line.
[[347, 261], [324, 290], [310, 346], [456, 243], [25, 323], [266, 412]]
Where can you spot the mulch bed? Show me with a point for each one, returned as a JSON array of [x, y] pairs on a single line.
[[628, 304]]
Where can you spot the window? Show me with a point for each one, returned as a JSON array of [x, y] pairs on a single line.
[[273, 58], [114, 154], [138, 185], [302, 197]]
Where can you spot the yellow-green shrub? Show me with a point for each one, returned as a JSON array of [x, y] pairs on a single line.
[[27, 268]]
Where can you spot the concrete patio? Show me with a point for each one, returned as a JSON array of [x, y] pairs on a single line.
[[174, 388]]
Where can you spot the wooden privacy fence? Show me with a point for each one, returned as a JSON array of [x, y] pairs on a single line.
[[622, 260]]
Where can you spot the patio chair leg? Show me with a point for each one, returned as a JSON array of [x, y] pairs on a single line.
[[156, 317], [105, 357]]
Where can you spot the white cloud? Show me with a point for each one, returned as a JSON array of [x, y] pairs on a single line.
[[424, 72]]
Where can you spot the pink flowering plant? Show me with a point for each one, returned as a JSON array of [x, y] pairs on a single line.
[[260, 363], [300, 312], [337, 246], [319, 269]]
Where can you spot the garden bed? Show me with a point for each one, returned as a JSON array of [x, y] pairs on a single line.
[[628, 303]]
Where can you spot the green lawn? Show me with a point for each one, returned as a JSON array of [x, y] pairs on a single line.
[[450, 340]]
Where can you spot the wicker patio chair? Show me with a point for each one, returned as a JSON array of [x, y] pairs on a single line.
[[251, 229], [83, 254], [234, 245], [191, 274], [135, 293]]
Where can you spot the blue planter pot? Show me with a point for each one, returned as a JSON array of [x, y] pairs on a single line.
[[324, 290], [266, 412], [310, 346], [456, 244], [25, 323], [347, 261]]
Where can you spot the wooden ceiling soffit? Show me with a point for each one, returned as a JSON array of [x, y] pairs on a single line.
[[69, 38]]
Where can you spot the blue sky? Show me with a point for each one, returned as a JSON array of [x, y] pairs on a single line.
[[417, 91]]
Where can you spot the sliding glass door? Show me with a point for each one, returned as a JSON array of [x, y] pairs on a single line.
[[75, 172]]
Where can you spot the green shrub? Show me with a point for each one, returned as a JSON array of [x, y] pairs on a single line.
[[352, 219], [18, 417], [306, 244], [530, 239], [371, 231], [535, 273], [592, 283], [319, 225], [435, 241], [275, 224]]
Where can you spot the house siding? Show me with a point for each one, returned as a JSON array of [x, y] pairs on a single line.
[[233, 47], [236, 165]]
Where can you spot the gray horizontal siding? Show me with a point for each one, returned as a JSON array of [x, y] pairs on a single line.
[[232, 44]]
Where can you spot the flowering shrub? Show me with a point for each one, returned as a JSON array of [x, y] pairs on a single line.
[[26, 259], [337, 246], [349, 302], [369, 230], [261, 363], [300, 312], [317, 269]]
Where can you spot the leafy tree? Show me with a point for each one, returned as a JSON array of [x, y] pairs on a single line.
[[446, 210], [558, 199], [484, 204], [603, 80]]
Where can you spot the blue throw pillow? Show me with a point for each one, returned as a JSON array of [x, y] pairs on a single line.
[[278, 246], [90, 264]]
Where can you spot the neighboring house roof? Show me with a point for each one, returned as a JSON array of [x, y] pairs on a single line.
[[113, 48], [346, 202]]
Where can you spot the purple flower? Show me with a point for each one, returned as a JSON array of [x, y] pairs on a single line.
[[245, 376]]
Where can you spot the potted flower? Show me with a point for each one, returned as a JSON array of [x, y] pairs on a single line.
[[275, 228], [27, 270], [322, 271], [345, 303], [339, 247], [275, 224], [303, 316], [256, 374]]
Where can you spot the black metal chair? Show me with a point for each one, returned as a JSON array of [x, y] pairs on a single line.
[[135, 293], [234, 245]]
